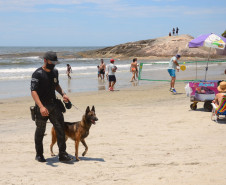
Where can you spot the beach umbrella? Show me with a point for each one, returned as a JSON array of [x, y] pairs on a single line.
[[208, 40]]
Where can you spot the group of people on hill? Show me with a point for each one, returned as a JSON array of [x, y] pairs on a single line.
[[174, 31]]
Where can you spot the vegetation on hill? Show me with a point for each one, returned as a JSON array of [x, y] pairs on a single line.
[[224, 34]]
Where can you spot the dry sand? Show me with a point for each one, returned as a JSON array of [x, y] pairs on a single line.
[[145, 135]]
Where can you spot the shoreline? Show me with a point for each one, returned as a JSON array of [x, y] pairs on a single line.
[[78, 55]]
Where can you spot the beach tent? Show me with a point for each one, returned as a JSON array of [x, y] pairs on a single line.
[[208, 40]]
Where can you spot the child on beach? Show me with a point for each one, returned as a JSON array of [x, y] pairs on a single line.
[[98, 72], [69, 70]]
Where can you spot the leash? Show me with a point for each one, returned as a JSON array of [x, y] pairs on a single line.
[[76, 107]]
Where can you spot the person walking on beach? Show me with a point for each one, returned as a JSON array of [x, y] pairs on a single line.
[[69, 70], [173, 31], [44, 83], [111, 74], [102, 68], [177, 29], [173, 63], [133, 69]]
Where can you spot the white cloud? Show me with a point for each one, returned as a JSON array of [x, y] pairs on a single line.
[[20, 3], [110, 8], [30, 5], [126, 10], [164, 0]]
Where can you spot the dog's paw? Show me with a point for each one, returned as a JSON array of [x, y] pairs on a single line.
[[53, 155], [83, 154], [77, 159]]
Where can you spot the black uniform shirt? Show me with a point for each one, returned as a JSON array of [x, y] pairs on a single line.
[[44, 83]]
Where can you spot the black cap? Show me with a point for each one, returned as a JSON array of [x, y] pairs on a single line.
[[52, 56], [178, 56]]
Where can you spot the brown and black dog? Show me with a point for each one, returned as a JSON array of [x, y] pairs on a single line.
[[77, 131]]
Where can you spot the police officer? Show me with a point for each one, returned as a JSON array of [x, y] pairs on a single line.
[[44, 82]]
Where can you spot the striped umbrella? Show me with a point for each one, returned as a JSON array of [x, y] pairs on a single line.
[[208, 40]]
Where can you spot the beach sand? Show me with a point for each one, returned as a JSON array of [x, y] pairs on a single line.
[[145, 135]]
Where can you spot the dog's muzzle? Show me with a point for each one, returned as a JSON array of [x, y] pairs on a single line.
[[94, 121]]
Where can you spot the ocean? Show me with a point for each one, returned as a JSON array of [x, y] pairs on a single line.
[[18, 63]]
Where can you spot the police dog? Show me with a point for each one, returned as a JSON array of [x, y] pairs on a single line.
[[77, 131]]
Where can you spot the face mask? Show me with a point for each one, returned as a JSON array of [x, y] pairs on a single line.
[[50, 66]]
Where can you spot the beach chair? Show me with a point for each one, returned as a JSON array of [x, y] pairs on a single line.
[[218, 111]]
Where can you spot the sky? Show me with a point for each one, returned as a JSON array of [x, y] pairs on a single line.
[[105, 22]]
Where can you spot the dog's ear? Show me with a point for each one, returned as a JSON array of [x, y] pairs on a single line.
[[93, 109], [87, 110]]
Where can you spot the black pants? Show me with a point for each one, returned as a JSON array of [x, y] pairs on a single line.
[[57, 119]]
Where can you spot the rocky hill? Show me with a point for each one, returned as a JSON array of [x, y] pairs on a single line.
[[158, 47]]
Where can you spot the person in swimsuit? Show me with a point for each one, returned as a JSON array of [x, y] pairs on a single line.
[[102, 69], [222, 92], [69, 70], [133, 69], [98, 72]]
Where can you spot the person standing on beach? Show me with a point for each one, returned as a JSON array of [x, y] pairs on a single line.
[[173, 31], [44, 83], [133, 69], [177, 29], [102, 69], [111, 74], [69, 70], [98, 72], [172, 71]]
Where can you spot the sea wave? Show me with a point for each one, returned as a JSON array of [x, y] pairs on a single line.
[[17, 70], [31, 58], [15, 77]]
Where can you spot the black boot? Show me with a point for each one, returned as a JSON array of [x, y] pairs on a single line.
[[40, 158], [64, 157]]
